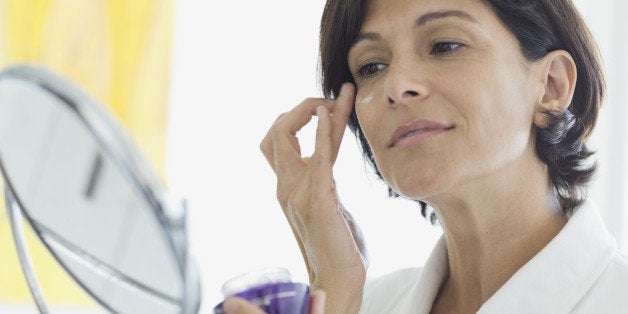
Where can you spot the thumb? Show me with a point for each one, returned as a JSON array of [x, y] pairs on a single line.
[[317, 302]]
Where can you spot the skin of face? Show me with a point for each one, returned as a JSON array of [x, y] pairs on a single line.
[[461, 67]]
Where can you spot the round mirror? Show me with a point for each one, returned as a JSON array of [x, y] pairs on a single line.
[[90, 198]]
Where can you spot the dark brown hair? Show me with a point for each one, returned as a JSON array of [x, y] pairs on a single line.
[[541, 26]]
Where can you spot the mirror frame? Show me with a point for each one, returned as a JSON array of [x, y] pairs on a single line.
[[170, 211]]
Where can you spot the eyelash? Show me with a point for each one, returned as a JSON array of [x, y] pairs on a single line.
[[445, 43], [369, 69], [363, 70]]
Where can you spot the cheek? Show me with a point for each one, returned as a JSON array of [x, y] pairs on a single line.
[[364, 100], [499, 125], [368, 113], [369, 131]]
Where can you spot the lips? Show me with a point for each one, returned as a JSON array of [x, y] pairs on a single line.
[[416, 131]]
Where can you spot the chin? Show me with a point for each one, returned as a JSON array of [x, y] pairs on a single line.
[[423, 177]]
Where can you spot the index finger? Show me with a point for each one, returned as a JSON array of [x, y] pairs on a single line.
[[299, 116], [285, 153], [340, 117]]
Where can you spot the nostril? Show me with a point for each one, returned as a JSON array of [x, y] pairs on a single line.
[[411, 93], [404, 95]]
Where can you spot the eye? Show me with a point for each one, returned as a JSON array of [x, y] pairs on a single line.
[[369, 69], [443, 48]]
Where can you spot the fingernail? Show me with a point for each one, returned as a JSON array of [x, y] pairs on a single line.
[[231, 305]]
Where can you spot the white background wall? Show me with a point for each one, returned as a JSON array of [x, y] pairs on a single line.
[[239, 64]]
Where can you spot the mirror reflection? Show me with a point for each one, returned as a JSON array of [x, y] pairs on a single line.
[[81, 194]]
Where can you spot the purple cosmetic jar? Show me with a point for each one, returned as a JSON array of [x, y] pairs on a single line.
[[271, 289]]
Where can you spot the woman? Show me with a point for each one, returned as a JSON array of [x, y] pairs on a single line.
[[479, 111]]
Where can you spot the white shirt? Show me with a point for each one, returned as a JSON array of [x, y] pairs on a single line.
[[579, 271]]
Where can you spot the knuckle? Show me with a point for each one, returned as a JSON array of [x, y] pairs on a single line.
[[264, 145], [279, 121], [279, 118], [312, 102]]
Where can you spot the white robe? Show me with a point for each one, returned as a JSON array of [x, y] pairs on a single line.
[[579, 271]]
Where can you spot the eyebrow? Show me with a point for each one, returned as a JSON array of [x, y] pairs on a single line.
[[431, 16], [421, 21]]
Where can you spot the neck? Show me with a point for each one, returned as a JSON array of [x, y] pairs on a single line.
[[496, 227]]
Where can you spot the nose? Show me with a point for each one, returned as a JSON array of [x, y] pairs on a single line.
[[405, 84]]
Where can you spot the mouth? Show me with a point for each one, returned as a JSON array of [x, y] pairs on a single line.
[[416, 132]]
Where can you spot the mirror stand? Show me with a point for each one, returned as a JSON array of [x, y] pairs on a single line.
[[15, 216]]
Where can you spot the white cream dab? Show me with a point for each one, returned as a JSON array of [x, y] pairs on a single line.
[[366, 100]]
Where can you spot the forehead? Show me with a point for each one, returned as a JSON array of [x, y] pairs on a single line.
[[386, 13]]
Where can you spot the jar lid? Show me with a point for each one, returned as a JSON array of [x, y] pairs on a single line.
[[255, 278]]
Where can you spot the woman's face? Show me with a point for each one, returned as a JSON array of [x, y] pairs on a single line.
[[445, 97]]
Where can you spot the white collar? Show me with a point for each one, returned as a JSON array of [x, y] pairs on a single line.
[[553, 281]]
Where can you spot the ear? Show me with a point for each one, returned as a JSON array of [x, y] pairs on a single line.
[[558, 74]]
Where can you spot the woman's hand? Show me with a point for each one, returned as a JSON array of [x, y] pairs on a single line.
[[330, 241], [241, 306]]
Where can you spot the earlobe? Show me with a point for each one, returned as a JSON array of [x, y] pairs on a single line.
[[559, 75]]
